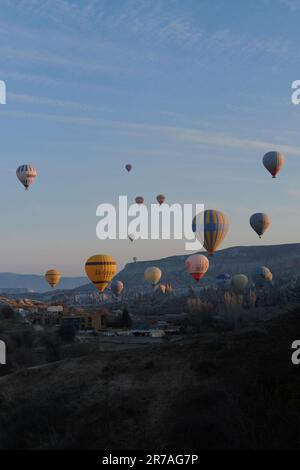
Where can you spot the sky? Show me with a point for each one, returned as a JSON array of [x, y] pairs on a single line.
[[191, 93]]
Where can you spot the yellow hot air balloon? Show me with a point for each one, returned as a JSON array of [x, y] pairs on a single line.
[[153, 275], [53, 277], [211, 228], [239, 282], [100, 269]]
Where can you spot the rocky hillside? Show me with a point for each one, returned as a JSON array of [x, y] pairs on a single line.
[[231, 390], [283, 260]]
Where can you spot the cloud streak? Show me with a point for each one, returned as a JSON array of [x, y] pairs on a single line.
[[193, 136]]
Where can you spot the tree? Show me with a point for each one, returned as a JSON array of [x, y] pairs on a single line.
[[67, 333], [126, 319]]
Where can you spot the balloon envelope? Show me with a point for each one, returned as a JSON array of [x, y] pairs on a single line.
[[100, 269], [223, 280], [117, 287], [211, 228], [139, 200], [53, 277], [26, 174], [153, 275], [273, 162], [160, 199], [197, 266], [260, 222], [261, 276], [239, 282], [128, 167]]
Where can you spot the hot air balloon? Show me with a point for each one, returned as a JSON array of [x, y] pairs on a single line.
[[26, 174], [160, 199], [223, 280], [139, 200], [128, 167], [131, 237], [100, 269], [260, 223], [211, 228], [153, 275], [197, 266], [273, 162], [117, 287], [261, 276], [239, 282], [53, 277]]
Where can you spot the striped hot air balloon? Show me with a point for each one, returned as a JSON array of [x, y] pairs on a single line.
[[26, 174], [211, 228], [53, 277], [100, 269], [273, 162], [197, 266], [260, 222]]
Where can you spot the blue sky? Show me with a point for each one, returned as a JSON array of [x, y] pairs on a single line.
[[191, 93]]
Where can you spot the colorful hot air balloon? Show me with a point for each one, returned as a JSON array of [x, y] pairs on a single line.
[[211, 228], [261, 276], [239, 282], [131, 237], [273, 162], [100, 269], [117, 287], [160, 199], [26, 174], [260, 223], [197, 266], [53, 277], [128, 167], [153, 275], [223, 280], [139, 200]]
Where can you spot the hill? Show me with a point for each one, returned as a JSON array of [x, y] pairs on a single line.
[[283, 260], [229, 390]]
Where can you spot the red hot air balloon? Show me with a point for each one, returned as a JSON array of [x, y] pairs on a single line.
[[197, 266]]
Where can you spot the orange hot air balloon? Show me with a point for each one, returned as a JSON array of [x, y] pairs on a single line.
[[160, 199], [197, 266], [139, 200], [53, 277], [100, 269]]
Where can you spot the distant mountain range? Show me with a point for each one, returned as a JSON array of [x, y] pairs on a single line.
[[16, 283]]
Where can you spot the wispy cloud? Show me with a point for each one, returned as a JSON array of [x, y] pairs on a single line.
[[193, 136], [42, 100]]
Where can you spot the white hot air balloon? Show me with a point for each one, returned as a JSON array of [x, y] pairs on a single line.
[[26, 174]]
